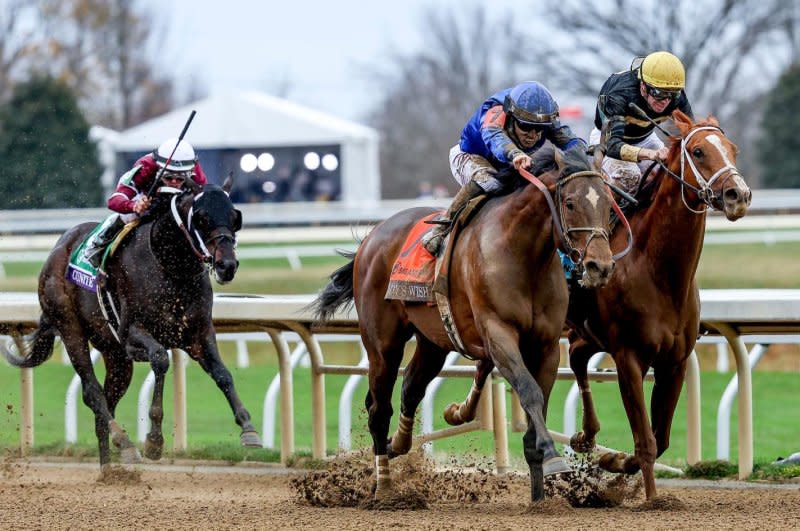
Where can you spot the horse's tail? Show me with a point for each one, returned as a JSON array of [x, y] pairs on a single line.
[[33, 349], [338, 292]]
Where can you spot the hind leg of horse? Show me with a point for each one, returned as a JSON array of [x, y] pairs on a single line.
[[206, 353], [540, 451], [457, 414], [385, 352], [631, 376], [140, 340], [95, 399], [579, 353], [119, 371], [425, 364]]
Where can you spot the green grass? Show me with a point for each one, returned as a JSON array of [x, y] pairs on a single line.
[[213, 433]]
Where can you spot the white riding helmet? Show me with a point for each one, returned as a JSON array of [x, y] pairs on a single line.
[[183, 159]]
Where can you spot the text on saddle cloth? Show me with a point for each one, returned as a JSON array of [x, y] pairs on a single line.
[[413, 272]]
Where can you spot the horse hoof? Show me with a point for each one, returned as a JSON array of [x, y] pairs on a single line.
[[250, 439], [130, 455], [383, 489], [153, 449], [580, 444], [612, 462], [451, 415], [398, 446], [555, 465]]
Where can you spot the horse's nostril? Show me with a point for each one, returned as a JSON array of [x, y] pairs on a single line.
[[732, 195]]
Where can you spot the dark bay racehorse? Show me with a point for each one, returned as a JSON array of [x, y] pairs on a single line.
[[649, 313], [508, 295], [162, 293]]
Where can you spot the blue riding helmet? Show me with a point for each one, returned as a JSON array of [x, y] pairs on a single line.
[[530, 103]]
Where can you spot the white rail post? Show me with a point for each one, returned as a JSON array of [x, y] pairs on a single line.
[[179, 441], [693, 424], [722, 357], [429, 398], [726, 403], [242, 355], [318, 426], [502, 464], [26, 410], [271, 398], [143, 406], [346, 403], [744, 380], [286, 384]]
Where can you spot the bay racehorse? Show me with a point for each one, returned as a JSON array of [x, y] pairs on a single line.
[[508, 295], [649, 313], [161, 292]]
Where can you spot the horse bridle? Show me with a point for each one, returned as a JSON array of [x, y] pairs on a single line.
[[196, 242], [704, 192], [576, 255]]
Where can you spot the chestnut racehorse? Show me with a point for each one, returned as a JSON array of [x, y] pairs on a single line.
[[649, 313], [508, 295]]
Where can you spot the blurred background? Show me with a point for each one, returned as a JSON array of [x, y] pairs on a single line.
[[353, 102]]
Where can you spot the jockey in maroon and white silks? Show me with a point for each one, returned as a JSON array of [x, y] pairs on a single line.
[[174, 160], [137, 182]]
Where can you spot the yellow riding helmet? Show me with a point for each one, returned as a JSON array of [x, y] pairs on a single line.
[[663, 70]]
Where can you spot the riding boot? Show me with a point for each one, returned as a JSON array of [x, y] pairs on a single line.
[[94, 253], [433, 240]]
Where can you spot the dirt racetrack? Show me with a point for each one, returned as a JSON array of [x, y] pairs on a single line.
[[35, 495]]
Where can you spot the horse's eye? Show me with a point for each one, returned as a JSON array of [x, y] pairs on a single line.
[[570, 204], [697, 152]]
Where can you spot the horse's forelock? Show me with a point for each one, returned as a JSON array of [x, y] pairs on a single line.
[[575, 160]]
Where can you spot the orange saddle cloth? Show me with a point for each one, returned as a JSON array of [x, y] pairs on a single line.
[[412, 275]]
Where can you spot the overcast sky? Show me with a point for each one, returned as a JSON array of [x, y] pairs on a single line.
[[315, 46]]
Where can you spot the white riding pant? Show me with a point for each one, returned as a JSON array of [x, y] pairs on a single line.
[[627, 174], [468, 167]]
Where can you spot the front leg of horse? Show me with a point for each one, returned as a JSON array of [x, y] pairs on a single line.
[[579, 354], [630, 377], [207, 355], [141, 345], [540, 451], [154, 442], [457, 414]]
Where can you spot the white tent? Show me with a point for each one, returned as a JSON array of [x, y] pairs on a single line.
[[252, 119]]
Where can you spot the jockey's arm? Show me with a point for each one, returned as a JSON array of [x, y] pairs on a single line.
[[563, 138], [199, 175], [494, 135]]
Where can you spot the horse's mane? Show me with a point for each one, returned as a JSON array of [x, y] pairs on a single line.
[[544, 160]]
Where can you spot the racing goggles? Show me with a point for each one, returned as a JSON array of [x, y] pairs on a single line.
[[174, 177], [527, 127], [661, 94]]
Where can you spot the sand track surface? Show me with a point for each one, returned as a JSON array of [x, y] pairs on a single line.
[[36, 495]]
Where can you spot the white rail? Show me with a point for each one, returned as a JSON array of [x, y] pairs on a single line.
[[729, 313]]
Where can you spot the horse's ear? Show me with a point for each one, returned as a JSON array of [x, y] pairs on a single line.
[[682, 121], [228, 184], [237, 220]]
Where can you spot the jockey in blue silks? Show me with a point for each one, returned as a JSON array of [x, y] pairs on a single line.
[[505, 131]]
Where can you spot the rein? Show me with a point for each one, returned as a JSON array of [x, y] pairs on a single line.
[[576, 255]]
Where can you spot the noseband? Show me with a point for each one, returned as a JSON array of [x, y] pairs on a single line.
[[576, 255], [704, 191]]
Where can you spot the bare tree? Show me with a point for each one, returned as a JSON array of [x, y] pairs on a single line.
[[429, 94], [16, 41], [733, 50], [102, 49]]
